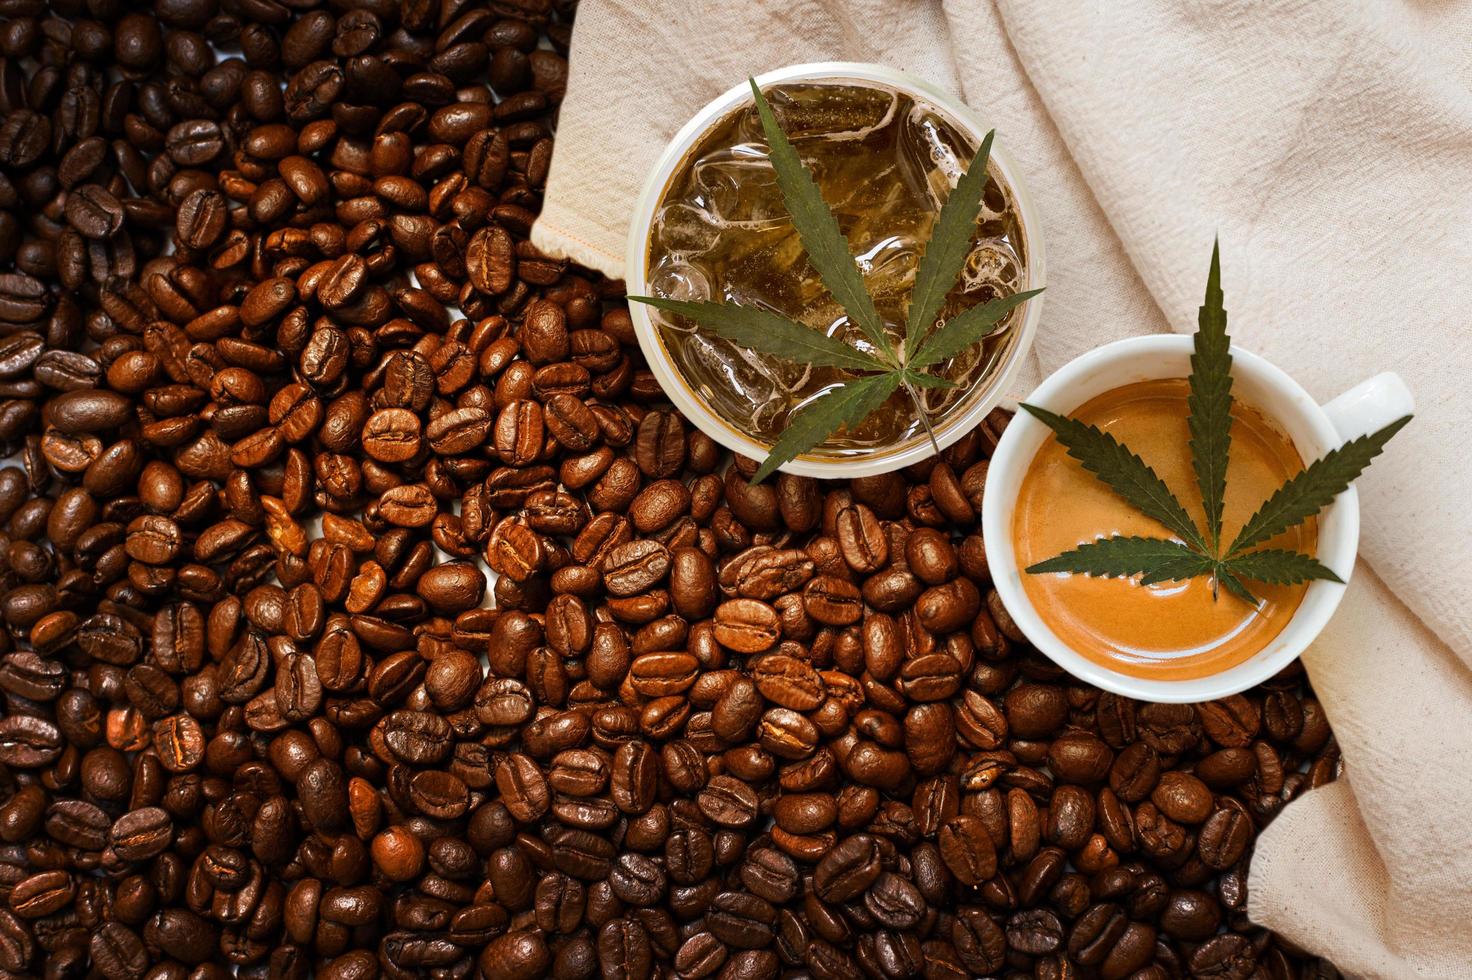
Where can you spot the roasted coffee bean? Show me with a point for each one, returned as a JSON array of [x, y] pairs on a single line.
[[787, 734], [968, 850], [1231, 722], [637, 879], [1191, 915], [29, 742], [392, 435], [895, 901], [728, 802], [771, 874], [452, 588], [832, 601], [521, 955], [1135, 772], [848, 869], [1035, 933], [1169, 729], [788, 681], [202, 218], [20, 352], [523, 787], [861, 539], [747, 625], [624, 949], [459, 430], [742, 920], [42, 894], [660, 444], [1182, 797], [1035, 711], [1223, 956], [117, 952], [1096, 933], [700, 956], [1224, 838], [94, 212], [692, 582], [141, 834], [518, 433], [89, 411], [1080, 758], [635, 567]]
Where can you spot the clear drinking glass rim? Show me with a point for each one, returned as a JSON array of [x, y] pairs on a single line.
[[693, 407]]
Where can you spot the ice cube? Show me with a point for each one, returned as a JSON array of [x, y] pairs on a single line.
[[928, 159], [890, 263], [874, 203], [993, 264], [685, 229], [675, 277], [738, 187], [819, 111], [753, 388]]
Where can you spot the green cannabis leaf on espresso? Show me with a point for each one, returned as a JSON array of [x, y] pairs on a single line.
[[885, 369], [1199, 550]]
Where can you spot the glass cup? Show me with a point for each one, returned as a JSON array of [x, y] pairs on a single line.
[[990, 387]]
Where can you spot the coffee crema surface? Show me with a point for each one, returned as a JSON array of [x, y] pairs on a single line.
[[1169, 630], [885, 164]]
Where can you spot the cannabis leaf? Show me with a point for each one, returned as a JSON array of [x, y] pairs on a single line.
[[1122, 471], [1196, 553], [1123, 557], [1210, 401], [827, 249], [886, 370], [1236, 587], [1279, 566], [1175, 569], [928, 380], [945, 254], [817, 420], [751, 327], [1310, 491], [966, 328]]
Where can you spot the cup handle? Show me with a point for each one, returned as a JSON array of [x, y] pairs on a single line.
[[1370, 405]]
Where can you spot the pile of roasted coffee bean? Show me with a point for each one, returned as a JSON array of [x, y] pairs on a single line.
[[280, 375]]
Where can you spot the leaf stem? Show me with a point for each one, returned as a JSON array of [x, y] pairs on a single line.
[[924, 416]]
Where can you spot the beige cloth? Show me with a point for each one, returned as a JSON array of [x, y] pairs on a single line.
[[1329, 144]]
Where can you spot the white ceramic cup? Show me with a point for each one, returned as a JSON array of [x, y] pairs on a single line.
[[1314, 430], [958, 421]]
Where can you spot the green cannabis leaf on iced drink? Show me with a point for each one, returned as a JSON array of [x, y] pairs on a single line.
[[886, 369], [1199, 550]]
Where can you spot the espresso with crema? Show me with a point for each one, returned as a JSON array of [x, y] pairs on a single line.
[[1170, 630]]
